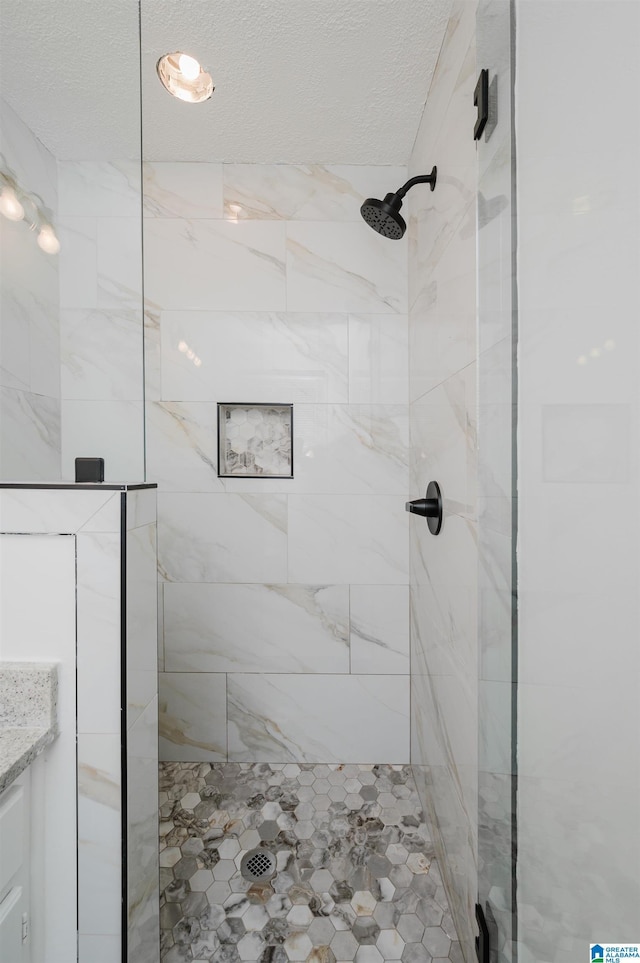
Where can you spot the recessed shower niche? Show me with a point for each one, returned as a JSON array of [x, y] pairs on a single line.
[[255, 441]]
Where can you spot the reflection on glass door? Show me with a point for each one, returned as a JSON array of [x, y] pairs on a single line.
[[497, 382]]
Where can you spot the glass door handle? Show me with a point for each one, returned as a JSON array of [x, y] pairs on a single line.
[[430, 507]]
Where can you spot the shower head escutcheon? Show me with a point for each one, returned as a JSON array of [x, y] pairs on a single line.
[[384, 216]]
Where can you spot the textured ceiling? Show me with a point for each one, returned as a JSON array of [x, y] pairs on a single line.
[[297, 81]]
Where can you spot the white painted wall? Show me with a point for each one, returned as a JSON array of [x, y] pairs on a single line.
[[578, 150]]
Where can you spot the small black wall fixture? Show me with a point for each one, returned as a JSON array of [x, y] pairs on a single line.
[[384, 216], [481, 101], [430, 507]]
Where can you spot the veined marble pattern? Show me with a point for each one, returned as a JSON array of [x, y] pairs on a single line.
[[34, 165], [79, 263], [343, 267], [183, 190], [99, 188], [226, 538], [314, 717], [99, 833], [101, 355], [378, 359], [337, 449], [345, 538], [98, 616], [29, 320], [193, 716], [30, 446], [356, 879], [210, 262], [243, 560], [304, 192], [113, 430], [256, 628], [254, 357], [142, 823], [380, 629], [142, 605]]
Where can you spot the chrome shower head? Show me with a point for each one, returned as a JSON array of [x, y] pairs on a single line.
[[384, 216]]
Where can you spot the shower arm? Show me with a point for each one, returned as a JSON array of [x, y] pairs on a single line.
[[420, 179]]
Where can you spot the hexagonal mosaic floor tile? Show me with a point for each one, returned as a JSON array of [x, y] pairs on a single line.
[[355, 879]]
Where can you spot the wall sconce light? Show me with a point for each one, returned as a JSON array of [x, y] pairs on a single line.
[[17, 204]]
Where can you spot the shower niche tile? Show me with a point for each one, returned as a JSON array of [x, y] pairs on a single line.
[[255, 441]]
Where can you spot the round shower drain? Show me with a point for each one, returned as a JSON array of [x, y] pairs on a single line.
[[258, 865]]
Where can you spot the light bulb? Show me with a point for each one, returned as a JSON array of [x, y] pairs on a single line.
[[189, 66], [47, 240], [184, 78], [10, 206]]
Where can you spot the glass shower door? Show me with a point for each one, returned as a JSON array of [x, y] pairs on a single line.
[[497, 520]]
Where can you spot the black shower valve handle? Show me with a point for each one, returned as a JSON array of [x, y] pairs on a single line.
[[427, 507], [430, 507]]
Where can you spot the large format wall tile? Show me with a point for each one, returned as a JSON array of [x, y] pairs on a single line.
[[113, 430], [183, 190], [182, 446], [344, 267], [234, 316], [98, 608], [256, 628], [204, 264], [378, 359], [142, 819], [351, 448], [225, 538], [379, 629], [101, 355], [348, 538], [29, 318], [99, 188], [30, 444], [193, 716], [304, 192], [255, 357], [283, 718], [99, 833]]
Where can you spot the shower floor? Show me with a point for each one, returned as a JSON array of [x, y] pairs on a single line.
[[356, 879]]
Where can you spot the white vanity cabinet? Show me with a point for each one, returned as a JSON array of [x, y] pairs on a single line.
[[15, 871]]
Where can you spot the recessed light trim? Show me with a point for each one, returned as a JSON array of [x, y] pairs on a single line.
[[184, 78]]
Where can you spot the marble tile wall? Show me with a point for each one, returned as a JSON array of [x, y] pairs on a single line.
[[284, 601], [578, 244], [101, 317], [29, 318], [443, 447]]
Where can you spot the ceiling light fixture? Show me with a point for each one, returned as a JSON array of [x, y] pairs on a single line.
[[184, 78]]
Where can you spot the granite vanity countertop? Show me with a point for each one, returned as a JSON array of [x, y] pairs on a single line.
[[28, 714]]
